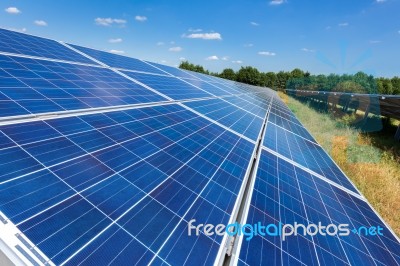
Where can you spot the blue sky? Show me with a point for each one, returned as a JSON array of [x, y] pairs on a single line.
[[340, 36]]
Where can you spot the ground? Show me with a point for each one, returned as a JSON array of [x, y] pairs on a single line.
[[371, 160]]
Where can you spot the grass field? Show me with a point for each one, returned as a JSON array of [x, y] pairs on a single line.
[[371, 161]]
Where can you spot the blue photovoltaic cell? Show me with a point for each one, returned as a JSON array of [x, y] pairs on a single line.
[[290, 126], [231, 89], [251, 105], [18, 43], [201, 76], [174, 71], [305, 153], [119, 187], [5, 142], [118, 61], [230, 116], [284, 114], [230, 85], [210, 88], [193, 167], [169, 86], [279, 109], [31, 194], [284, 193], [16, 162], [38, 86]]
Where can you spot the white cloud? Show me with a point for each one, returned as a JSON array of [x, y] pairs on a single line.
[[225, 58], [237, 62], [116, 40], [182, 59], [374, 41], [213, 57], [19, 30], [109, 21], [328, 27], [175, 49], [160, 43], [195, 30], [248, 45], [163, 61], [40, 23], [204, 36], [117, 51], [267, 53], [141, 18], [308, 50], [276, 2], [12, 10], [380, 1], [254, 23], [343, 24]]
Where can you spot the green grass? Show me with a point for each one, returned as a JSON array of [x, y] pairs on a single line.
[[371, 161]]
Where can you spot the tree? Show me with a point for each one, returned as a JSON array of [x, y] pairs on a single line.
[[270, 80], [396, 85], [297, 73], [379, 84], [321, 82], [387, 86], [301, 80], [281, 79], [249, 75], [384, 86], [363, 81], [262, 80], [228, 73], [192, 67]]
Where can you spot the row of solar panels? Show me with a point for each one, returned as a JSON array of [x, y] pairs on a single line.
[[140, 149], [378, 104]]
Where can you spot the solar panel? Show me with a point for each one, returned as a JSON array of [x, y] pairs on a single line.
[[24, 44], [209, 87], [305, 153], [285, 193], [91, 186], [169, 86], [30, 86], [230, 116], [249, 104], [118, 61], [106, 159], [200, 76], [174, 71]]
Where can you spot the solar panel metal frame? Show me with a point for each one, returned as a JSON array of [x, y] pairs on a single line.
[[250, 90]]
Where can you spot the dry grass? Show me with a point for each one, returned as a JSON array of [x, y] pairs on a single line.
[[374, 169]]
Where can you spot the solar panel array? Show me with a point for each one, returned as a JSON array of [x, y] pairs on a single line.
[[104, 159]]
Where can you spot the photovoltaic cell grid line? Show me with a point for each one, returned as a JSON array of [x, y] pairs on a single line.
[[17, 43], [121, 186], [30, 86], [209, 87], [174, 71], [230, 116], [287, 194], [297, 145], [118, 61], [165, 174], [169, 86], [305, 153]]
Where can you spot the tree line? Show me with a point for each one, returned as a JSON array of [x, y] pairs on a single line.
[[302, 80]]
